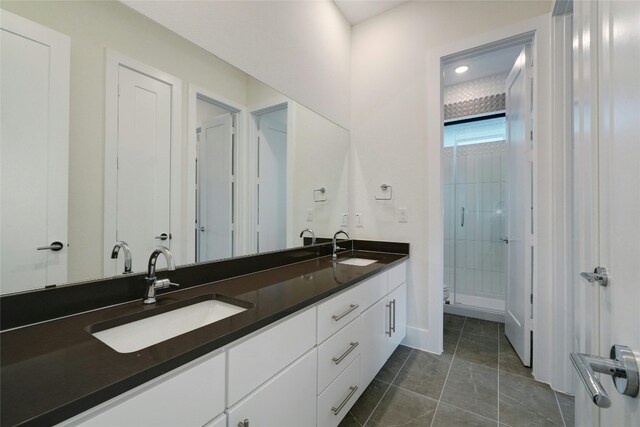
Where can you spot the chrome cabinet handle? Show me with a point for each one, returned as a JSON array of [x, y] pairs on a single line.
[[244, 423], [389, 307], [393, 328], [622, 366], [504, 240], [54, 246], [353, 389], [352, 307], [353, 345], [462, 220], [164, 236], [599, 276]]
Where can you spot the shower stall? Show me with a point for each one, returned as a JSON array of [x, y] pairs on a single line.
[[474, 191]]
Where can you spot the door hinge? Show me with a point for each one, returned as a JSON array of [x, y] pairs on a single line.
[[531, 299], [118, 89], [531, 135]]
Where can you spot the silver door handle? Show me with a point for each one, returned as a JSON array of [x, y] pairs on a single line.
[[54, 246], [353, 345], [622, 366], [505, 240], [393, 328], [353, 389], [352, 307], [599, 276], [462, 220], [163, 236], [389, 307], [244, 423]]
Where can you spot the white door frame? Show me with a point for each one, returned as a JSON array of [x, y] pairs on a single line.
[[543, 302], [251, 178], [113, 61], [58, 132], [189, 240]]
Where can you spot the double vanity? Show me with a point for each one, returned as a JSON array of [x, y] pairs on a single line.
[[290, 338]]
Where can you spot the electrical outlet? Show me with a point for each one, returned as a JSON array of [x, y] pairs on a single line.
[[345, 220], [359, 220], [403, 215], [309, 214]]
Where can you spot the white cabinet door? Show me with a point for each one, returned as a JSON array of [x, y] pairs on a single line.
[[220, 421], [34, 153], [288, 399], [398, 302], [192, 395], [375, 329]]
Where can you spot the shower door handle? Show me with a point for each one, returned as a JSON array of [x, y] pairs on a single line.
[[462, 217]]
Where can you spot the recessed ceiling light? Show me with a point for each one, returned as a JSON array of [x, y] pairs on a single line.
[[461, 69]]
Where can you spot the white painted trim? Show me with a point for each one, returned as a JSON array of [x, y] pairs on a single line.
[[241, 126], [113, 61], [58, 133], [543, 280]]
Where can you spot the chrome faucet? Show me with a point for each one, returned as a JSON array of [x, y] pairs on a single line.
[[335, 243], [153, 283], [313, 236], [127, 254]]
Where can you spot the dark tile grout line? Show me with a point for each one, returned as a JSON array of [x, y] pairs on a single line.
[[444, 385], [388, 387]]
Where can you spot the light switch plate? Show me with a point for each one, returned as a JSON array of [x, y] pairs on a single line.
[[403, 215], [359, 220], [309, 214], [345, 219]]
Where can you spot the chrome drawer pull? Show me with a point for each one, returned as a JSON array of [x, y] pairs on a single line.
[[352, 307], [353, 389], [389, 307], [244, 423], [393, 328], [346, 353]]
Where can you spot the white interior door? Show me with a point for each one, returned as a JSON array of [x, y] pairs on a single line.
[[34, 154], [144, 165], [272, 181], [215, 189], [607, 195], [519, 231]]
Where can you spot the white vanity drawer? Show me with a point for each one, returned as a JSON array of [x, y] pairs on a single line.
[[339, 397], [336, 353], [397, 276], [164, 401], [254, 361], [338, 311], [373, 289]]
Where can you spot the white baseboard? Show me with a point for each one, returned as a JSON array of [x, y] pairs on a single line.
[[423, 339]]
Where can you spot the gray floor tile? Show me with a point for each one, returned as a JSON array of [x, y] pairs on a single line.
[[393, 365], [473, 388], [567, 408], [479, 349], [448, 416], [366, 403], [481, 327], [402, 407], [525, 402], [453, 322], [424, 373], [450, 340], [509, 360]]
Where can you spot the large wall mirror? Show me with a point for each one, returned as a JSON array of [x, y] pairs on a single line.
[[115, 129]]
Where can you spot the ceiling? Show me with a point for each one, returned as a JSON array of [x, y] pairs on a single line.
[[357, 11], [483, 65]]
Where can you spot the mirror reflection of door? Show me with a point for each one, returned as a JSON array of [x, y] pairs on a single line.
[[215, 182], [34, 154], [272, 179]]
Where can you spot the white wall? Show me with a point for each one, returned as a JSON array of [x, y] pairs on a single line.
[[301, 48], [389, 135]]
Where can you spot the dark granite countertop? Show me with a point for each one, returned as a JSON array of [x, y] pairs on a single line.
[[54, 370]]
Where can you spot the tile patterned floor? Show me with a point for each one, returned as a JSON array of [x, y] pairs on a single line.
[[477, 381]]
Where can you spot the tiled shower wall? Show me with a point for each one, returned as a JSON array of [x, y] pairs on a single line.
[[473, 253]]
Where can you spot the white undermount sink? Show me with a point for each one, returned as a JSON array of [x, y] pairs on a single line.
[[359, 262], [138, 334]]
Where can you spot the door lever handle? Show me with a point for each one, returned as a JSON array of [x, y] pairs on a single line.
[[622, 366], [54, 246], [599, 275]]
